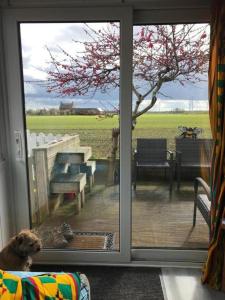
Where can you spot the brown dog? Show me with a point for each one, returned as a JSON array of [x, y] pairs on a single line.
[[17, 254]]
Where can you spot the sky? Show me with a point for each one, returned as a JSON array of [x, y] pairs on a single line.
[[35, 59]]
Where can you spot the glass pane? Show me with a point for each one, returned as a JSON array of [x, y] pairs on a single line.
[[71, 83], [172, 142]]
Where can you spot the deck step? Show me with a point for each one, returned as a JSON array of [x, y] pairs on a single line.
[[68, 183]]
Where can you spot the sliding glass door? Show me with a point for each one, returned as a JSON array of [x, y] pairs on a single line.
[[72, 124], [82, 130], [171, 137], [71, 92]]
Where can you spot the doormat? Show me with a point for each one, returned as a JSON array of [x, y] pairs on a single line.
[[121, 283], [92, 240]]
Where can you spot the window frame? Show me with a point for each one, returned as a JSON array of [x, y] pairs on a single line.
[[148, 15]]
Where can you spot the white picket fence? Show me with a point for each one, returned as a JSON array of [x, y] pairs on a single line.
[[38, 139]]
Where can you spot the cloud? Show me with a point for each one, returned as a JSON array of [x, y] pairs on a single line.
[[36, 97], [35, 37], [174, 90], [180, 104]]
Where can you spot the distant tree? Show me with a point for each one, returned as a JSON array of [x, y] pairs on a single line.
[[161, 54], [30, 112], [43, 112], [178, 110], [53, 111]]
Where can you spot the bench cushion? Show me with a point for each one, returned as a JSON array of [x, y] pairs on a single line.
[[42, 286]]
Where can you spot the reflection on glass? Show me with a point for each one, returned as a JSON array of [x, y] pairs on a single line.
[[171, 141], [71, 82]]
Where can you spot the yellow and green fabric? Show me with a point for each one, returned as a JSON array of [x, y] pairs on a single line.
[[52, 286], [213, 269], [10, 286]]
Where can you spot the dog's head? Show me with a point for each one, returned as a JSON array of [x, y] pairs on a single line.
[[26, 243]]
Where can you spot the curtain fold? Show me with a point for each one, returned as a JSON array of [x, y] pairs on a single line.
[[214, 271]]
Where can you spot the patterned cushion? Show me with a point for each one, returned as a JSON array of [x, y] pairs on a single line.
[[52, 286], [10, 286]]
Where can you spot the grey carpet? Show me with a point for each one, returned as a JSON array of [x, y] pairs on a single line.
[[117, 283]]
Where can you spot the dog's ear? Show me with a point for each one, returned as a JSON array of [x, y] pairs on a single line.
[[19, 239]]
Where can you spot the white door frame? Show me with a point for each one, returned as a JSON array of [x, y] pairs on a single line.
[[11, 20]]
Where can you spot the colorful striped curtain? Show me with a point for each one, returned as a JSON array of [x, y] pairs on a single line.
[[214, 271]]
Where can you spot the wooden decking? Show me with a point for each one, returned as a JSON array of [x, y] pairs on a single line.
[[158, 220]]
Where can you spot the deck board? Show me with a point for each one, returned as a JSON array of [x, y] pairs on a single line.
[[158, 220]]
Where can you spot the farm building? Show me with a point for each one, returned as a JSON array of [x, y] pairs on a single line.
[[69, 109], [66, 108], [89, 111]]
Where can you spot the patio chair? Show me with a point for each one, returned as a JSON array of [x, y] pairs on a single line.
[[153, 153], [192, 153], [202, 200]]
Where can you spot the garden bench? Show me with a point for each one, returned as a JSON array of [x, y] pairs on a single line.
[[67, 176], [70, 183]]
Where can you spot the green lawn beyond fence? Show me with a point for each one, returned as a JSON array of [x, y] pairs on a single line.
[[96, 132]]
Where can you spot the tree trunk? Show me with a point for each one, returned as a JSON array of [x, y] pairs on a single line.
[[112, 169]]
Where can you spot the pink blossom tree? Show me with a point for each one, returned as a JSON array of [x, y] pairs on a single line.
[[161, 54]]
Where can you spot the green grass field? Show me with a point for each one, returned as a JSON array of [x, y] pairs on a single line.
[[96, 132], [147, 121]]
